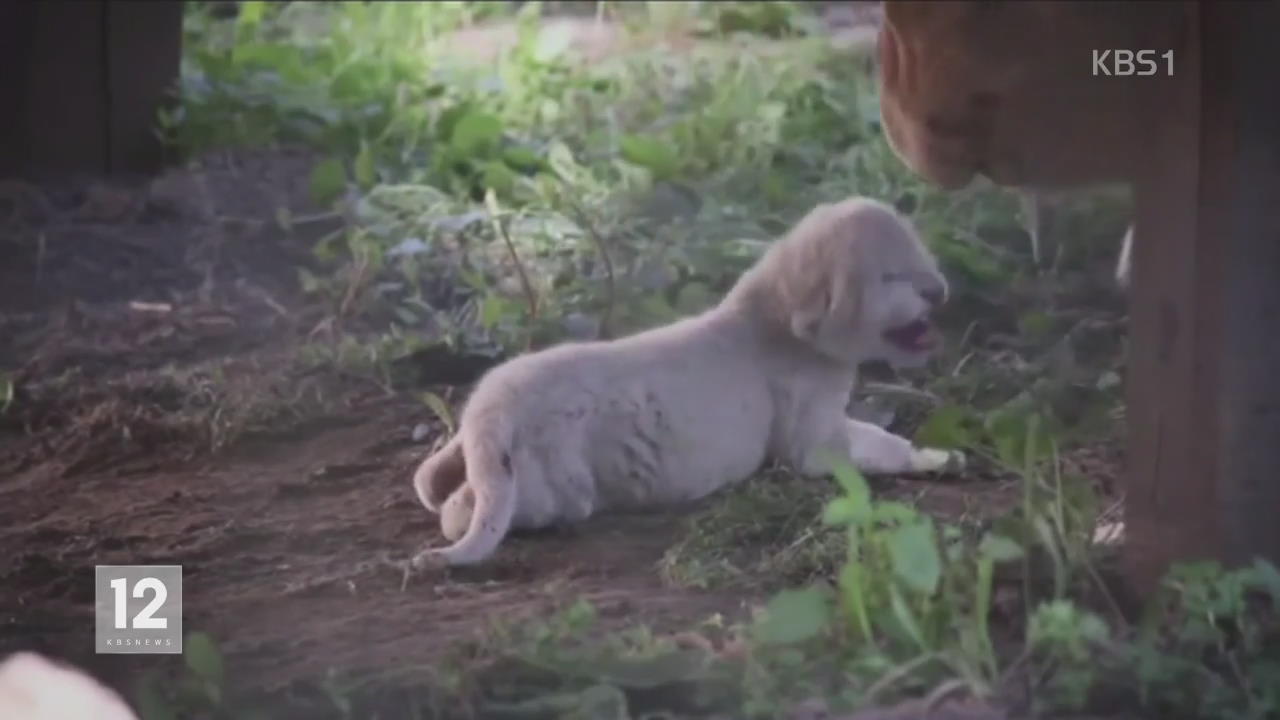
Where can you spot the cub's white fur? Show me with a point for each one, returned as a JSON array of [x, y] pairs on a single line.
[[672, 414], [34, 688]]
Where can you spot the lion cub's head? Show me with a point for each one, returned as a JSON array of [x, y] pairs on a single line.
[[853, 281]]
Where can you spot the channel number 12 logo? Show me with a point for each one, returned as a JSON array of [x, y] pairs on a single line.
[[138, 609]]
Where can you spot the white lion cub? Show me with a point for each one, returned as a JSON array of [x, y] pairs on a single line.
[[672, 414]]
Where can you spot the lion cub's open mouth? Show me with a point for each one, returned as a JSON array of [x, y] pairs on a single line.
[[916, 336]]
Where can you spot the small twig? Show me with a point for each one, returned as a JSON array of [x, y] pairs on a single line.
[[150, 307], [897, 673], [491, 202], [1112, 604], [964, 339], [262, 294], [611, 297], [1030, 202], [293, 221], [942, 693], [357, 282], [955, 372], [880, 388], [968, 332]]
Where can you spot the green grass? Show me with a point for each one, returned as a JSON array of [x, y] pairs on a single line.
[[520, 201], [766, 534]]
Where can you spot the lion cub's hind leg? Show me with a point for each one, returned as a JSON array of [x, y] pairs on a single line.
[[455, 513]]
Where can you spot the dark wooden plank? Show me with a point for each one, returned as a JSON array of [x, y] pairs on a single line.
[[15, 44], [1246, 226], [55, 87], [1203, 389], [81, 83], [144, 42]]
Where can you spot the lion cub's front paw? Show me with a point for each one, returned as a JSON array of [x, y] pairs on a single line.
[[936, 460]]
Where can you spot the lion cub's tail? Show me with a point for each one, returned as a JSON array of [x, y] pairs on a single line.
[[440, 475], [488, 473]]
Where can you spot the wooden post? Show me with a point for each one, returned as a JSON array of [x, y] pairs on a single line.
[[1204, 362], [81, 83]]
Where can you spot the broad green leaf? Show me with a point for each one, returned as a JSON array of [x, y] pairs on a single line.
[[890, 511], [970, 260], [440, 408], [450, 118], [498, 177], [328, 181], [695, 297], [1019, 437], [553, 41], [852, 482], [913, 550], [203, 658], [523, 159], [1266, 578], [844, 511], [562, 162], [651, 153], [251, 12], [150, 702], [476, 133], [596, 702], [794, 616], [644, 672], [406, 315], [945, 428], [493, 309], [773, 111], [906, 618], [653, 307], [999, 548], [1035, 324], [472, 278]]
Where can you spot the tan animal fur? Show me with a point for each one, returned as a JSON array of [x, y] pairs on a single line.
[[1008, 89], [670, 415]]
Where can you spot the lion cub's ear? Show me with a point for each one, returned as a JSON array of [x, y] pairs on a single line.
[[807, 315], [826, 300]]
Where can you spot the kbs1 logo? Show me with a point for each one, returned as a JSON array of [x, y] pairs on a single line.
[[138, 609], [1127, 63]]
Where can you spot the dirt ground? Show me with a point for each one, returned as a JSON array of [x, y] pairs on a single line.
[[141, 319]]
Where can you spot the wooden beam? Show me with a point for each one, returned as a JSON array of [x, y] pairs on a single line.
[[53, 86], [82, 82], [1204, 362], [144, 54]]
